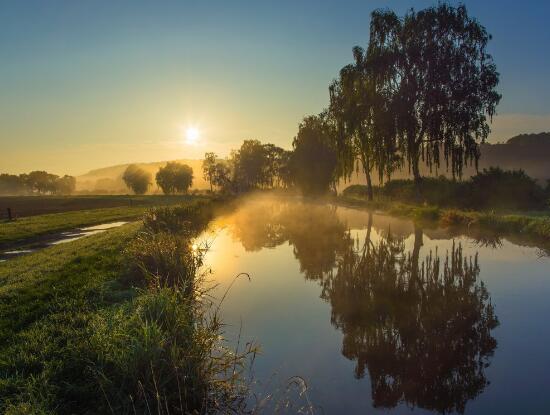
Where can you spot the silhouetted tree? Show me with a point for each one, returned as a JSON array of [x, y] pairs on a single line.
[[364, 123], [137, 179], [41, 181], [441, 80], [65, 185], [174, 178], [11, 184], [249, 164], [277, 164], [314, 159], [208, 167], [221, 175]]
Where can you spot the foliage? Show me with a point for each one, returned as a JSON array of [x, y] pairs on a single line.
[[440, 79], [492, 188], [208, 168], [40, 182], [137, 179], [497, 188], [216, 172], [314, 159], [364, 120], [174, 178], [254, 165]]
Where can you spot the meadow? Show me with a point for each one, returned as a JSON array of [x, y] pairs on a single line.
[[40, 216], [110, 323]]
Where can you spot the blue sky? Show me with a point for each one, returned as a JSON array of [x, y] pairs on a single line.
[[85, 84]]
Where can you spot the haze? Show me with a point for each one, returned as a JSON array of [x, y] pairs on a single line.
[[91, 84]]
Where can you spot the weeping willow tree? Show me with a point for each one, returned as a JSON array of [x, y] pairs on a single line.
[[422, 327], [442, 83], [363, 119]]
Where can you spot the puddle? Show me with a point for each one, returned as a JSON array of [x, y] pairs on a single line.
[[59, 238]]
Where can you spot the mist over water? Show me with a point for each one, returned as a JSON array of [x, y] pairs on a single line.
[[377, 312]]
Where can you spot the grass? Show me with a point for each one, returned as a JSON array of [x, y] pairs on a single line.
[[46, 301], [534, 225], [117, 323], [23, 206], [32, 227]]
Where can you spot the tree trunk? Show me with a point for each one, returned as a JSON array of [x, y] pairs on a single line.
[[417, 179], [366, 168], [369, 187]]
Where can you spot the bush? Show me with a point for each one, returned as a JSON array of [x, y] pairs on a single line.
[[164, 259], [490, 189], [497, 188], [187, 220], [434, 191], [359, 190]]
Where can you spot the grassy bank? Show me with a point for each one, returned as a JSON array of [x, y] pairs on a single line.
[[116, 323], [534, 225], [30, 227]]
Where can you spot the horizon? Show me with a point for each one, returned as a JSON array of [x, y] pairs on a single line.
[[88, 86]]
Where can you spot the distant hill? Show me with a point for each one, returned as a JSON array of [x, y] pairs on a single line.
[[108, 180], [530, 152]]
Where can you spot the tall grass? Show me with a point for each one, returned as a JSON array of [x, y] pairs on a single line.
[[163, 352]]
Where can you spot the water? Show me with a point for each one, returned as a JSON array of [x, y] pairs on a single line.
[[58, 238], [379, 315]]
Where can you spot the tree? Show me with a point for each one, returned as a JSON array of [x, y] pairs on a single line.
[[137, 179], [65, 185], [174, 178], [221, 175], [276, 166], [442, 83], [208, 166], [41, 181], [11, 184], [362, 116], [314, 159], [249, 165]]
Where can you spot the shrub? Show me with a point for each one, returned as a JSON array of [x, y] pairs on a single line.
[[497, 188], [164, 259], [187, 220]]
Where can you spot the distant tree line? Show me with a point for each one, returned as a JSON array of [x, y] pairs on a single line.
[[36, 182]]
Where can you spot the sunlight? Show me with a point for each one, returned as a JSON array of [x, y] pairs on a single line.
[[191, 135]]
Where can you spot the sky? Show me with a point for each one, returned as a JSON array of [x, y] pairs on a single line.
[[88, 84]]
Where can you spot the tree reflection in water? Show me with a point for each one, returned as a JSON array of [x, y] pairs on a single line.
[[420, 326]]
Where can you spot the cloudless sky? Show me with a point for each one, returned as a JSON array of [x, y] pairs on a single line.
[[86, 84]]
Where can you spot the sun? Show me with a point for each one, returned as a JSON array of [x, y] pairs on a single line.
[[191, 135]]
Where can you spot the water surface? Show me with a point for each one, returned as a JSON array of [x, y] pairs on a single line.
[[56, 239], [378, 314]]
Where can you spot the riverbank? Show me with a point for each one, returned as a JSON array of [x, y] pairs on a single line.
[[535, 225], [116, 323]]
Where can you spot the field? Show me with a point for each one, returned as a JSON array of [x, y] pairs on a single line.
[[83, 324], [41, 216], [23, 206]]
